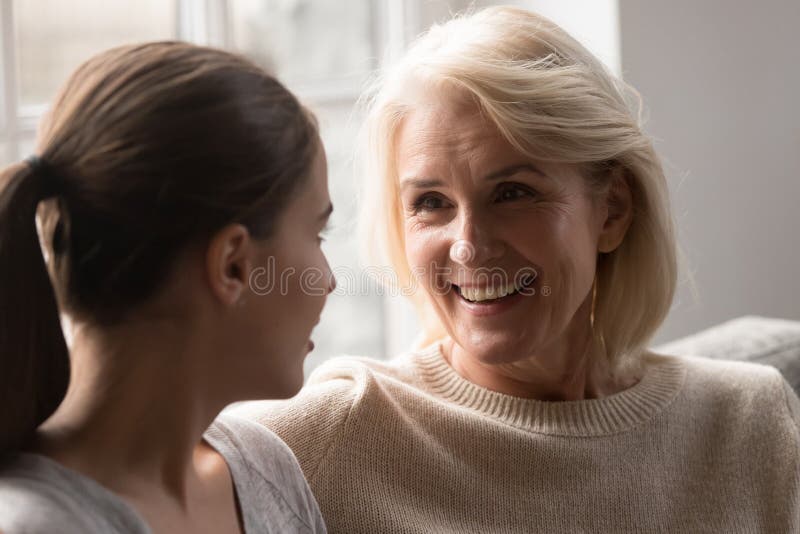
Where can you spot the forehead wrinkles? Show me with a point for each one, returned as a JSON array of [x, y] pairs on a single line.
[[433, 138]]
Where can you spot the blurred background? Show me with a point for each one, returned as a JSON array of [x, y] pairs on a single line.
[[720, 81]]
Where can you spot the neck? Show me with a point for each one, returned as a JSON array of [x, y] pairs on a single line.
[[574, 367], [135, 410]]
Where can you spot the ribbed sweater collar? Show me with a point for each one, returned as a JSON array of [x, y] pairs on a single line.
[[660, 384]]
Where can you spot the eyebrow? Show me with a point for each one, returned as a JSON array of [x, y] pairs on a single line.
[[514, 169], [420, 183], [424, 183], [326, 213]]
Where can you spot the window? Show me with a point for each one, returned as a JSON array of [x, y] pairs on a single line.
[[38, 24], [307, 41], [33, 67]]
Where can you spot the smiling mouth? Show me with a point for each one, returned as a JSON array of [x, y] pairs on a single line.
[[487, 295]]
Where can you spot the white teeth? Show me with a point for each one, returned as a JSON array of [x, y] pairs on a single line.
[[491, 293]]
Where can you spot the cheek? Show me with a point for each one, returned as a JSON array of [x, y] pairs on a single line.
[[313, 279], [424, 246], [556, 235], [427, 255], [539, 238], [573, 251], [580, 242], [300, 282]]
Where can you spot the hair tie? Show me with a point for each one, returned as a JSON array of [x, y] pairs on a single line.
[[52, 182]]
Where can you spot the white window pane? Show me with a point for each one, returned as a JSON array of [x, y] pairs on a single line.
[[305, 41], [5, 155], [27, 145], [54, 36], [14, 153]]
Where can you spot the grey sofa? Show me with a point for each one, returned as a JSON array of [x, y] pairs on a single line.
[[774, 342]]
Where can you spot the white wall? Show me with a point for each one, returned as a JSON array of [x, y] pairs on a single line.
[[721, 81]]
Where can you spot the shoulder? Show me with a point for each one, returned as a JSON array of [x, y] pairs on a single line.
[[37, 498], [30, 506], [328, 396], [727, 381], [744, 394], [257, 448], [262, 464], [727, 378], [325, 400], [312, 422]]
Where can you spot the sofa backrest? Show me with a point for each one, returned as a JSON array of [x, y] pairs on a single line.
[[774, 342]]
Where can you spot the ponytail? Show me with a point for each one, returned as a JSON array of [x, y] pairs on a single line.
[[148, 149], [34, 360]]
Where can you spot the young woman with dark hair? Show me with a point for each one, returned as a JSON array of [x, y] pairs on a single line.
[[169, 181]]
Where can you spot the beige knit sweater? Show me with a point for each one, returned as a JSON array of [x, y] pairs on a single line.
[[409, 446]]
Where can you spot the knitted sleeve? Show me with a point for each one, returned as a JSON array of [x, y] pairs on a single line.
[[311, 421]]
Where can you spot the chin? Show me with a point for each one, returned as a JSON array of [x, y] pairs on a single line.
[[494, 348]]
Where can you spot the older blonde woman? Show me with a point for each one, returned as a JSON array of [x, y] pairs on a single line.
[[510, 181]]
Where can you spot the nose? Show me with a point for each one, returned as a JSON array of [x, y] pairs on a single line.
[[474, 243]]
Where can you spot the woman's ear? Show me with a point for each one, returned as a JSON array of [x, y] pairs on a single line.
[[619, 212], [229, 260]]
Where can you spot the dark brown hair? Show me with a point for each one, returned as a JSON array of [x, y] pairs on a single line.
[[148, 149]]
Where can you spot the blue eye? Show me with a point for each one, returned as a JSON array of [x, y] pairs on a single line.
[[427, 203]]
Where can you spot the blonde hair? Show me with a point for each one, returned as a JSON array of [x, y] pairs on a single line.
[[554, 101]]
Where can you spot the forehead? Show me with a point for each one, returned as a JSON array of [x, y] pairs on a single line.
[[443, 138], [449, 131]]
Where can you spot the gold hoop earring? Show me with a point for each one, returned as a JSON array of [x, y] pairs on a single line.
[[595, 334]]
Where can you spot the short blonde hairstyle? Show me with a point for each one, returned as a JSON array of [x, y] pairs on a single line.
[[554, 101]]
